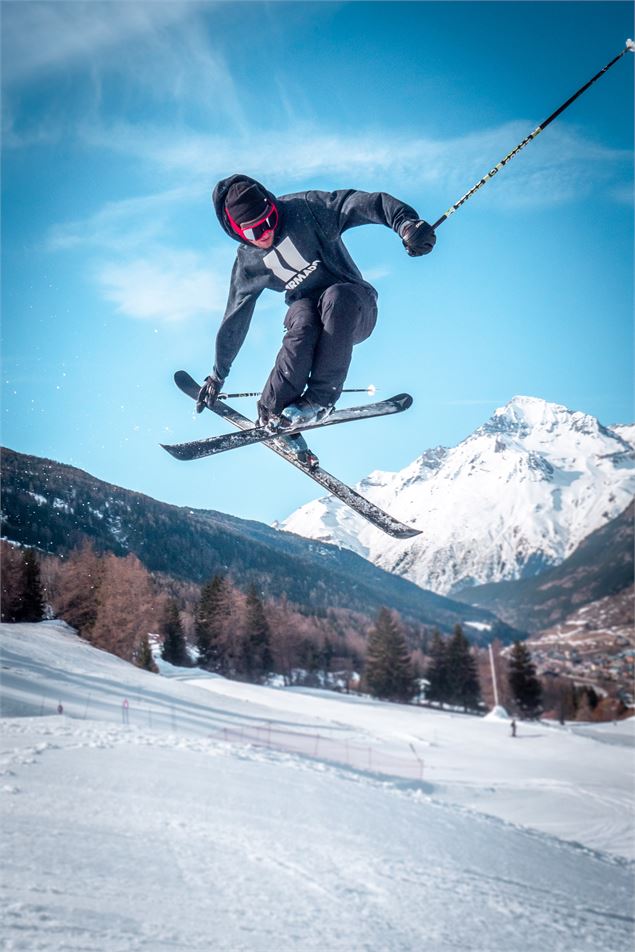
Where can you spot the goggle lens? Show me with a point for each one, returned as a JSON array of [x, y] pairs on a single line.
[[255, 232]]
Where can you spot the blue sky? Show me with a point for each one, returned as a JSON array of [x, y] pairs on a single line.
[[118, 119]]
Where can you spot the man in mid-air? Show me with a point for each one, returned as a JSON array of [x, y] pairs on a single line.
[[293, 243]]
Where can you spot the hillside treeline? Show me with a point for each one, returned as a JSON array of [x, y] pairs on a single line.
[[115, 604]]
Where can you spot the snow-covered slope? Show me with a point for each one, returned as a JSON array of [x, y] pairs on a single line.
[[173, 831], [517, 495], [626, 431]]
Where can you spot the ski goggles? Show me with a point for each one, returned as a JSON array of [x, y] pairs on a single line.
[[254, 231]]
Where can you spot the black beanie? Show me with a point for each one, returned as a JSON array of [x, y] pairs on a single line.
[[246, 201]]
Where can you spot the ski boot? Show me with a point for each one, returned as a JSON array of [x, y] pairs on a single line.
[[300, 413], [294, 442], [303, 412], [300, 449]]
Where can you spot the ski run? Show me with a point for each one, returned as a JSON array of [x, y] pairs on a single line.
[[156, 813]]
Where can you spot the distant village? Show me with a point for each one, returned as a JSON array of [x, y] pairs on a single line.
[[604, 660]]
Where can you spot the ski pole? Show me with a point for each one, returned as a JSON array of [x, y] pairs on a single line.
[[371, 389], [234, 396], [630, 46]]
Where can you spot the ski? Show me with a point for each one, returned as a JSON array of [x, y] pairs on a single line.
[[211, 445], [363, 507]]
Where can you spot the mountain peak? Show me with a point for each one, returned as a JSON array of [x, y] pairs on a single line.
[[531, 411], [524, 414]]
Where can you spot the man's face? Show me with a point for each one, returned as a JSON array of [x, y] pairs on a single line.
[[265, 242]]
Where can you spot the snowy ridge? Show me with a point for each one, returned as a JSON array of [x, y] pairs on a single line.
[[516, 496], [261, 850], [625, 431]]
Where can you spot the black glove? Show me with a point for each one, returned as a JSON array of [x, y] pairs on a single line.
[[418, 238], [208, 394]]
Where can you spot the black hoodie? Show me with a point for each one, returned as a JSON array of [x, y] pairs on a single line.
[[308, 254]]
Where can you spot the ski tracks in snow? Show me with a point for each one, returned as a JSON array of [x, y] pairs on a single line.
[[123, 839]]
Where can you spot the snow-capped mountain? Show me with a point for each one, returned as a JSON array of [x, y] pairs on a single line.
[[516, 496]]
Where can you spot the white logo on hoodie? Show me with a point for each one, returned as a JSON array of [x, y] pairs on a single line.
[[286, 256]]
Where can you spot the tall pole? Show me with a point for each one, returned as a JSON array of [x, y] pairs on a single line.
[[491, 661], [630, 47]]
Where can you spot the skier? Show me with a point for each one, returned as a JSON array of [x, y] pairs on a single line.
[[293, 243]]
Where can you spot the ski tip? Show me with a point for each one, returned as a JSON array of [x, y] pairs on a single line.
[[403, 400], [407, 533], [173, 450], [187, 384]]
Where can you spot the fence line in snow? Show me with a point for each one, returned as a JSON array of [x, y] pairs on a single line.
[[316, 745]]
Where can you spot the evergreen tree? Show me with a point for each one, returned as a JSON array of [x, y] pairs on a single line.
[[389, 673], [327, 653], [586, 701], [257, 659], [437, 673], [173, 649], [524, 685], [592, 697], [212, 617], [144, 657], [31, 606], [463, 688], [584, 712], [308, 662]]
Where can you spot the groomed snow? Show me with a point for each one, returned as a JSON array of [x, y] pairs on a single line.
[[172, 832]]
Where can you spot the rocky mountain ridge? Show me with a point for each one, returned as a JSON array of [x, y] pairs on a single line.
[[55, 507], [600, 567]]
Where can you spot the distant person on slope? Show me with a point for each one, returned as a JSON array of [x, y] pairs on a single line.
[[293, 243]]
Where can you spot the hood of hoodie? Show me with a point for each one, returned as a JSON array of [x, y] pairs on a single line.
[[218, 200]]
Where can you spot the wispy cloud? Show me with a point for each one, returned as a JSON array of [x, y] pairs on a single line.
[[123, 226], [378, 273], [164, 282], [557, 168], [40, 37], [142, 53], [45, 36], [171, 285], [290, 154]]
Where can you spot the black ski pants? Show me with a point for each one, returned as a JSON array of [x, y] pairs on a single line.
[[318, 344]]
